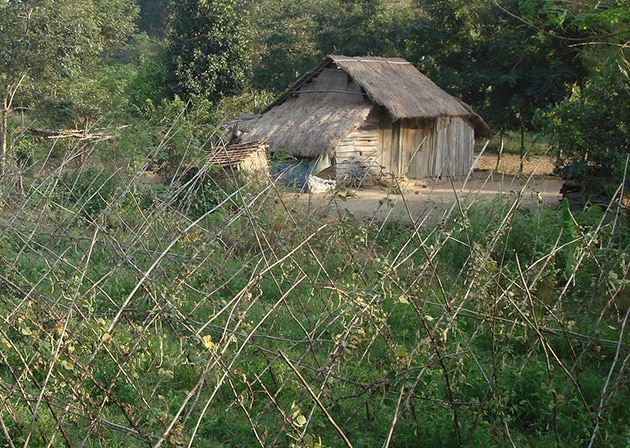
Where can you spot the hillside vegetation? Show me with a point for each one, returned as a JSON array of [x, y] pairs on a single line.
[[183, 314]]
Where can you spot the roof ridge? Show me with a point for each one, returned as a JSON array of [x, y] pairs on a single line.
[[380, 61]]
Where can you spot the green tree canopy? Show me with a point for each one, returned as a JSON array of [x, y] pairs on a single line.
[[362, 27], [153, 18], [491, 56], [209, 52], [292, 36], [285, 42], [591, 126], [43, 41]]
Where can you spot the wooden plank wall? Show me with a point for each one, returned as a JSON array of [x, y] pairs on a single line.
[[459, 140], [390, 136], [416, 155], [388, 143], [360, 149], [416, 148], [447, 149]]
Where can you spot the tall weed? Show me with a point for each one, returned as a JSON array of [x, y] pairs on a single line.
[[185, 314]]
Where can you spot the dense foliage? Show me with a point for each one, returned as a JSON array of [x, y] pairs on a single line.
[[153, 18], [44, 43], [209, 48], [590, 126], [485, 53]]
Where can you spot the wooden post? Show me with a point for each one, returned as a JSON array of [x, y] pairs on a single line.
[[522, 147], [500, 154]]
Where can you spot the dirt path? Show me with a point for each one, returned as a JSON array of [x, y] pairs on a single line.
[[428, 200]]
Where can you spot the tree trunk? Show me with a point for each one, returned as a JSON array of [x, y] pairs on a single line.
[[10, 89], [10, 176]]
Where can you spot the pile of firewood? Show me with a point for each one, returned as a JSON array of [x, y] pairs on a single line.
[[78, 134]]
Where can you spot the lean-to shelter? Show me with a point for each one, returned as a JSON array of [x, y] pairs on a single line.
[[232, 161]]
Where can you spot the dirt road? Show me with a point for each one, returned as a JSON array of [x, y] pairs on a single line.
[[428, 200]]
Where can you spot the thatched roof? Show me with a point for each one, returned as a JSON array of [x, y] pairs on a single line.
[[234, 154], [307, 129], [310, 119]]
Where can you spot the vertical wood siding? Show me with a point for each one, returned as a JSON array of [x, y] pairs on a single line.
[[417, 148], [391, 158], [460, 141], [440, 147], [417, 138]]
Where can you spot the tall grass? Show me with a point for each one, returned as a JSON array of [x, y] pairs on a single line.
[[183, 314]]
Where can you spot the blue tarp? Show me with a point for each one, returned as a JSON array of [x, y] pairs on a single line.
[[291, 172]]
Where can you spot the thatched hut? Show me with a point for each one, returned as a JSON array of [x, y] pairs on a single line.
[[374, 114]]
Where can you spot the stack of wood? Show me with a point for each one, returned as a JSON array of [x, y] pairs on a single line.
[[78, 134]]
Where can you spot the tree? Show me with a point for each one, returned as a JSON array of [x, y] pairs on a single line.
[[352, 27], [43, 41], [148, 86], [591, 126], [292, 36], [209, 49], [488, 54], [285, 42]]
